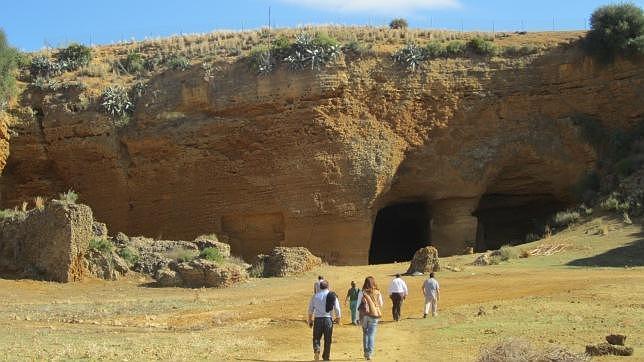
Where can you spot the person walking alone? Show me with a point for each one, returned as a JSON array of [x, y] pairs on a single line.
[[321, 306], [431, 290], [370, 300], [316, 285], [352, 298], [397, 292]]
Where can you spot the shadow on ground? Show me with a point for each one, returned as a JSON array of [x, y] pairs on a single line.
[[631, 254]]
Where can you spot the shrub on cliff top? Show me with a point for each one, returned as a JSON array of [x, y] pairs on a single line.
[[69, 197], [211, 254], [398, 23], [74, 57], [8, 64], [312, 52], [481, 46], [616, 29], [410, 56]]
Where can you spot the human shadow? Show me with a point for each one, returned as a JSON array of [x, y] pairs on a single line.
[[631, 254]]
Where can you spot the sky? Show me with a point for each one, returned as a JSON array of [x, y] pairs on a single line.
[[33, 24]]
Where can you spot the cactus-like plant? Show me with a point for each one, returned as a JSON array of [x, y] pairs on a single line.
[[116, 101], [311, 52], [74, 57], [410, 56], [43, 67]]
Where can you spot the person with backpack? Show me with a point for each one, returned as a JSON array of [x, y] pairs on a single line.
[[397, 292], [321, 307], [352, 298], [370, 300], [431, 291]]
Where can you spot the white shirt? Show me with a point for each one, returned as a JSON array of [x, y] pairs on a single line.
[[378, 301], [317, 305], [431, 287], [398, 286]]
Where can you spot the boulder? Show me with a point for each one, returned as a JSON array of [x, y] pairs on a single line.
[[482, 260], [211, 241], [157, 254], [606, 349], [285, 261], [106, 265], [425, 260], [616, 339], [167, 277], [121, 239], [99, 230], [204, 273]]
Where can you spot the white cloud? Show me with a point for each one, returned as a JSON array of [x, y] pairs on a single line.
[[376, 6]]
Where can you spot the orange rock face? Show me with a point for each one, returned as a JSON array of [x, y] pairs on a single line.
[[309, 159]]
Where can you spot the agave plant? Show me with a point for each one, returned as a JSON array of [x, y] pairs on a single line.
[[43, 67], [309, 52], [116, 101], [410, 56]]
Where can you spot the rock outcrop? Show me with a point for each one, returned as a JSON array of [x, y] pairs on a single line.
[[425, 261], [106, 265], [47, 244], [201, 273], [309, 158], [285, 261]]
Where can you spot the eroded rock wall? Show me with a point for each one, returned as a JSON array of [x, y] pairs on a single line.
[[308, 159]]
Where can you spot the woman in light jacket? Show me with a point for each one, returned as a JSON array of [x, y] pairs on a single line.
[[370, 300]]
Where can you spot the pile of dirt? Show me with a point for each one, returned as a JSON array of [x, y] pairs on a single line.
[[201, 273], [425, 260], [48, 243], [284, 261]]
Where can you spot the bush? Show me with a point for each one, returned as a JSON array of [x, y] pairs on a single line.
[[116, 101], [507, 252], [133, 63], [74, 57], [565, 218], [211, 254], [262, 60], [481, 46], [43, 67], [9, 213], [455, 48], [616, 29], [257, 270], [101, 245], [398, 23], [129, 255], [519, 51], [410, 56], [612, 203], [8, 65], [177, 62], [69, 197], [183, 255], [311, 52], [357, 49], [435, 49]]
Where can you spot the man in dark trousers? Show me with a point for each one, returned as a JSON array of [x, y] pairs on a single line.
[[397, 292], [321, 307]]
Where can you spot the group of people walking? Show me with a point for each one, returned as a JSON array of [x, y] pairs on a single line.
[[365, 305]]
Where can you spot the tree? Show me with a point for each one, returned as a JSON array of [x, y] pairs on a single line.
[[616, 29], [8, 65], [398, 23]]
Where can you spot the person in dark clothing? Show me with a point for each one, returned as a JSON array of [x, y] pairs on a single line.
[[320, 319], [397, 292]]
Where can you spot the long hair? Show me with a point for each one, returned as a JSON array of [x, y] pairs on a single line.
[[369, 285]]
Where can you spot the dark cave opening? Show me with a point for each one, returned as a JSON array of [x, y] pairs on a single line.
[[509, 219], [399, 230]]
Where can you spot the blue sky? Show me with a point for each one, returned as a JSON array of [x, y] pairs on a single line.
[[32, 24]]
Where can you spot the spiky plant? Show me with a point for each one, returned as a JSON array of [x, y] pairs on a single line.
[[116, 101], [410, 56]]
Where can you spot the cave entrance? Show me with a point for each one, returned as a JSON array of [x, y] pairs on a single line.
[[509, 219], [399, 230]]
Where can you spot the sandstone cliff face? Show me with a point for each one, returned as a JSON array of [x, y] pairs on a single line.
[[309, 159]]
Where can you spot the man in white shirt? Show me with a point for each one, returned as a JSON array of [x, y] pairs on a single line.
[[397, 292], [323, 322], [431, 290]]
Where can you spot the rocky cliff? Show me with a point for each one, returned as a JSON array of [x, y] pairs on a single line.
[[311, 158]]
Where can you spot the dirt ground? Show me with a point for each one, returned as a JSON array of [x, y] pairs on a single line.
[[573, 298]]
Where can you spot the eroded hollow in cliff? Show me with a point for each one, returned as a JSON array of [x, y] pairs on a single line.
[[508, 219], [399, 230]]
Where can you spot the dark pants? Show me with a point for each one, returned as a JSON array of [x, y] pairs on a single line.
[[322, 326], [396, 299]]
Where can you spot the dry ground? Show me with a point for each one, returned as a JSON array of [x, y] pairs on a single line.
[[543, 299]]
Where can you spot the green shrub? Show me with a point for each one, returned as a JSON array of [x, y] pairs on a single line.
[[129, 255], [612, 203], [565, 218], [101, 245], [281, 43], [43, 67], [508, 252], [410, 56], [177, 62], [616, 29], [8, 65], [519, 51], [69, 197], [133, 63], [455, 48], [183, 255], [356, 49], [211, 254], [311, 52], [74, 57], [262, 60], [435, 49], [481, 46], [116, 102], [398, 23]]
